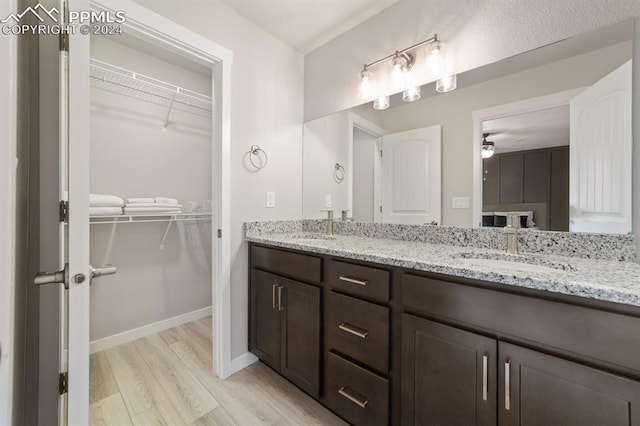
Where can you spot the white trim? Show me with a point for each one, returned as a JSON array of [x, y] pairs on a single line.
[[147, 330], [152, 27], [506, 110], [8, 132], [242, 361], [357, 122]]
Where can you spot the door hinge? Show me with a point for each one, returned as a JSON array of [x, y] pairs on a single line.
[[64, 42], [219, 233], [63, 383], [64, 211]]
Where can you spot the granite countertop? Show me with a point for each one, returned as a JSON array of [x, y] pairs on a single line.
[[606, 280]]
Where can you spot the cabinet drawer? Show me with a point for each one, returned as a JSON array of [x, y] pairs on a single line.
[[358, 329], [359, 396], [294, 265], [364, 281], [610, 339]]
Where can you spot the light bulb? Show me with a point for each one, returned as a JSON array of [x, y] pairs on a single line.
[[411, 94], [365, 84], [488, 149], [381, 103], [398, 72], [435, 55], [447, 84]]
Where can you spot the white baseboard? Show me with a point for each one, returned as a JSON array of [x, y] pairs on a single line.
[[242, 361], [146, 330]]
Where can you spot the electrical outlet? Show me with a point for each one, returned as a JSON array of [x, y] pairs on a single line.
[[271, 199], [460, 202], [327, 201]]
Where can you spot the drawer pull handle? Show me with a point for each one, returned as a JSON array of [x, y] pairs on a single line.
[[352, 280], [485, 388], [280, 307], [507, 385], [353, 330], [362, 404]]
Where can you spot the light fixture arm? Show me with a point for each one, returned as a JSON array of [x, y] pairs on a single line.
[[404, 53]]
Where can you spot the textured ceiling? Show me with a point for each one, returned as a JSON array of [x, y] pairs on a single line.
[[307, 24]]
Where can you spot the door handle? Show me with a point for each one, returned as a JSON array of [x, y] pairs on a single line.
[[485, 385], [280, 307], [353, 280], [353, 330], [103, 270], [358, 401], [273, 295], [507, 385], [60, 277]]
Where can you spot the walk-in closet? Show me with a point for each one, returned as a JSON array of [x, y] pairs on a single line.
[[150, 217]]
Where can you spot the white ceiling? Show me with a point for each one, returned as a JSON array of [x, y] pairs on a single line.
[[307, 24], [534, 130]]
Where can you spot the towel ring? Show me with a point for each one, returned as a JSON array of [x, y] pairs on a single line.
[[338, 172], [255, 151]]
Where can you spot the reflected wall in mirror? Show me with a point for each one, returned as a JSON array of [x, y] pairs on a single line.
[[438, 176]]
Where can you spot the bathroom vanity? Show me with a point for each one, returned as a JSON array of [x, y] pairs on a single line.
[[386, 331]]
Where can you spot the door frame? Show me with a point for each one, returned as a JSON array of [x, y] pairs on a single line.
[[154, 28], [356, 122], [8, 133], [514, 108]]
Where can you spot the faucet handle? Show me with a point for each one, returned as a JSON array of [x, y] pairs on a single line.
[[513, 220], [329, 214]]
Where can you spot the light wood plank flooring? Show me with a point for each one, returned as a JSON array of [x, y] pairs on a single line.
[[166, 379]]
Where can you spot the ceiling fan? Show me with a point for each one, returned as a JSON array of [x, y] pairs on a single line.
[[488, 147]]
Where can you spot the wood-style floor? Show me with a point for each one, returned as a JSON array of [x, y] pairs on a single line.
[[166, 379]]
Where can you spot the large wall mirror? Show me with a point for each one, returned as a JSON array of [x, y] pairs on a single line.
[[546, 133]]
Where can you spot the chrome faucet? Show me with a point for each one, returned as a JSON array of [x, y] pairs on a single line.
[[329, 222], [511, 232]]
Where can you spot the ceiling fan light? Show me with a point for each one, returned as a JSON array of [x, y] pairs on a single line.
[[488, 148]]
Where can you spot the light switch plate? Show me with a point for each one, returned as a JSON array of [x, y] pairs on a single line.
[[327, 201], [460, 202], [271, 199]]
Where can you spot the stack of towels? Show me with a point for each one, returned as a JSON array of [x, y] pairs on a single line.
[[149, 205], [105, 205]]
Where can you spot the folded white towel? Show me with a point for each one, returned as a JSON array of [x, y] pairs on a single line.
[[155, 205], [140, 200], [99, 200], [105, 211], [150, 210], [163, 200]]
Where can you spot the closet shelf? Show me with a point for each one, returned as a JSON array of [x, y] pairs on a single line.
[[129, 83], [150, 218]]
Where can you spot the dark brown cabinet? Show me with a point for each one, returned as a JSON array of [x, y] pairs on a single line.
[[285, 328], [448, 375], [539, 389]]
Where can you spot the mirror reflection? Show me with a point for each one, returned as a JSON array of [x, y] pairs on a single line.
[[546, 134]]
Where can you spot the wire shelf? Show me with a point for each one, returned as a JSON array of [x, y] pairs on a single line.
[[150, 218], [125, 82]]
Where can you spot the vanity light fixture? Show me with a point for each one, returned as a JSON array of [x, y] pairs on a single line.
[[447, 84], [402, 61], [434, 58], [381, 103], [411, 94]]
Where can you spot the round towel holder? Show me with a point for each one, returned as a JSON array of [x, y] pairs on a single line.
[[257, 154], [338, 172]]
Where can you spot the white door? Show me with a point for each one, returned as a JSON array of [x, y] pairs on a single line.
[[411, 178], [600, 156]]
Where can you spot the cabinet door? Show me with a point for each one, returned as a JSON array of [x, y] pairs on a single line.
[[265, 317], [539, 389], [536, 176], [491, 181], [301, 336], [448, 375]]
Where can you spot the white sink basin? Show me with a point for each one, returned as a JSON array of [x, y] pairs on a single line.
[[508, 264]]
